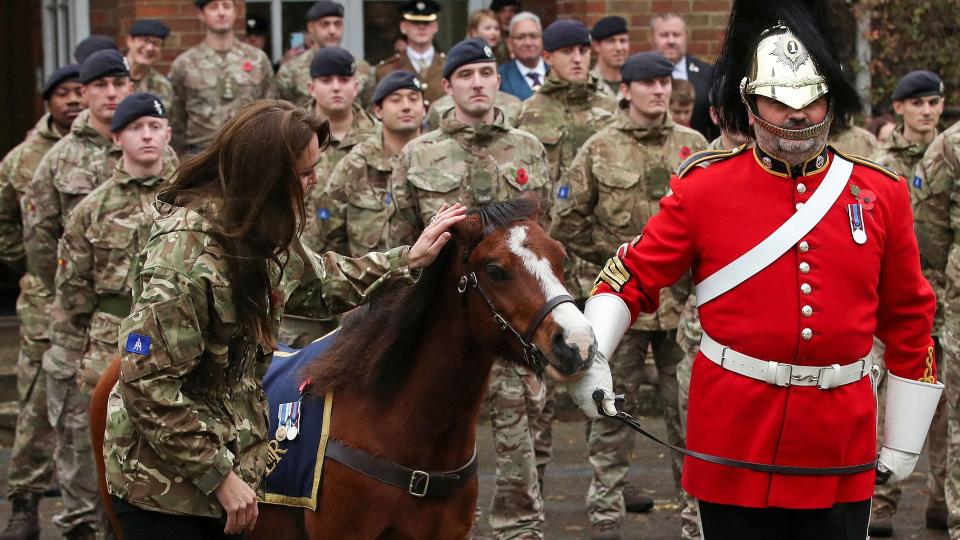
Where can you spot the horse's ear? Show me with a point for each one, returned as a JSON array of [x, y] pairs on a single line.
[[468, 231], [533, 199]]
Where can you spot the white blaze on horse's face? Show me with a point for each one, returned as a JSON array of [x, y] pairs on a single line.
[[576, 329]]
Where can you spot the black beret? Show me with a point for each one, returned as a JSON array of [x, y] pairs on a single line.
[[103, 63], [332, 61], [92, 44], [149, 27], [497, 5], [468, 51], [564, 33], [644, 66], [396, 80], [324, 8], [420, 10], [608, 27], [201, 3], [256, 26], [136, 106], [918, 84], [69, 72]]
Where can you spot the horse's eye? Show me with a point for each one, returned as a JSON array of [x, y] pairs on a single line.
[[496, 273]]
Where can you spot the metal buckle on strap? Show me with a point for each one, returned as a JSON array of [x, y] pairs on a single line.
[[415, 478], [779, 374]]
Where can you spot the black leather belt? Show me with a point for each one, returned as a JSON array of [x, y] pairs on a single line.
[[418, 483]]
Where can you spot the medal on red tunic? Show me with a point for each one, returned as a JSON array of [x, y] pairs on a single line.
[[857, 228]]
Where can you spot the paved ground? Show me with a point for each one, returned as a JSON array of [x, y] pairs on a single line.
[[566, 484]]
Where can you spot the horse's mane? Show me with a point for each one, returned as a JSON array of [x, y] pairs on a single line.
[[376, 343]]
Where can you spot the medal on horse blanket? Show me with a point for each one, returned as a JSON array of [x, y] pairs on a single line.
[[299, 427]]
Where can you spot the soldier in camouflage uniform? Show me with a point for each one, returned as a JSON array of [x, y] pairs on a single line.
[[103, 235], [563, 114], [186, 432], [357, 192], [611, 44], [419, 25], [30, 470], [144, 47], [475, 159], [852, 139], [215, 79], [933, 192], [67, 173], [508, 104], [334, 90], [918, 101], [611, 189], [325, 26]]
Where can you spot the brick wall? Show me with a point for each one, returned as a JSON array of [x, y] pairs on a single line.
[[114, 17], [706, 19]]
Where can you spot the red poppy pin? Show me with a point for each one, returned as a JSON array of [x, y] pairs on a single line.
[[685, 152], [247, 66], [867, 198], [522, 177]]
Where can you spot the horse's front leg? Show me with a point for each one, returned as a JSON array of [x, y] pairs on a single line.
[[278, 523]]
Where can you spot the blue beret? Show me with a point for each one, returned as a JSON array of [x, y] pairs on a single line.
[[136, 106], [332, 61], [149, 27], [324, 8], [103, 63], [645, 66], [468, 51], [69, 72], [396, 80], [564, 33], [608, 27], [92, 44], [422, 11], [918, 84]]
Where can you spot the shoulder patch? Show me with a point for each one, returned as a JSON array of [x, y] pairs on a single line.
[[707, 157], [867, 163]]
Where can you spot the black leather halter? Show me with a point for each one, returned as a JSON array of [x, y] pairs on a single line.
[[531, 354]]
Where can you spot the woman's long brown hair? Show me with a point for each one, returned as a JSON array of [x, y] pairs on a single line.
[[249, 173]]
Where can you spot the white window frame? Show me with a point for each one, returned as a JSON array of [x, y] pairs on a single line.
[[65, 23]]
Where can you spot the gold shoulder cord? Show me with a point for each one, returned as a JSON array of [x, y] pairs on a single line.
[[928, 376]]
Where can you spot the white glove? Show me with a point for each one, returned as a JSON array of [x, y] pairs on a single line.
[[897, 462], [597, 377]]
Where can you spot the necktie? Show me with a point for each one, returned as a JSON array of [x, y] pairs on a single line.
[[534, 79]]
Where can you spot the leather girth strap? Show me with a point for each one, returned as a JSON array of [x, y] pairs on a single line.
[[433, 484]]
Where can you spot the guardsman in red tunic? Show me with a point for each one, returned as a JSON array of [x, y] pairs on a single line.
[[801, 255]]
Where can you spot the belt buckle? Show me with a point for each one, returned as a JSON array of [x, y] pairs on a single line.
[[824, 382], [415, 478]]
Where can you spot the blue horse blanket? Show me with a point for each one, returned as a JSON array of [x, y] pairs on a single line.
[[296, 479]]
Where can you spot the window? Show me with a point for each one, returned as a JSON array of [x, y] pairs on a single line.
[[65, 23]]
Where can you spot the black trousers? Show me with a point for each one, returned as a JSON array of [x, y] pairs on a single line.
[[140, 524], [844, 521]]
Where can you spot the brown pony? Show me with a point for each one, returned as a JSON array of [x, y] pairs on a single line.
[[409, 371]]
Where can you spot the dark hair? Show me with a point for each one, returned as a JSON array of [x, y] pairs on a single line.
[[247, 184]]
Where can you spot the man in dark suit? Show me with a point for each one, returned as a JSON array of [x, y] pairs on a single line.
[[668, 32], [526, 72]]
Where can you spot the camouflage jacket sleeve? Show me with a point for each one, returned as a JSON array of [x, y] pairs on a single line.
[[161, 343], [935, 195], [331, 195], [42, 227], [404, 222], [574, 202], [267, 88], [178, 106], [75, 297], [332, 284], [11, 227], [284, 82]]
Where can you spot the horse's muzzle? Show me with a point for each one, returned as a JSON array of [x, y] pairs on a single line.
[[567, 357]]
